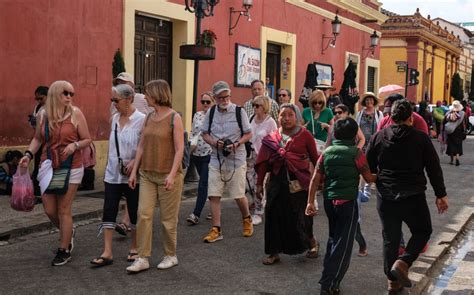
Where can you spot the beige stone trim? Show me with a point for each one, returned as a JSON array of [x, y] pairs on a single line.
[[183, 33], [325, 13], [375, 63], [288, 44], [362, 10]]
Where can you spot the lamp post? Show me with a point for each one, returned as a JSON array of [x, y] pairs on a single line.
[[374, 41], [202, 9], [336, 29]]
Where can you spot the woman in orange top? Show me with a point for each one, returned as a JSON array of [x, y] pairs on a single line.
[[159, 156], [68, 134]]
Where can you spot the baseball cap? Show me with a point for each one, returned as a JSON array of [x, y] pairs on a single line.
[[220, 86], [124, 77]]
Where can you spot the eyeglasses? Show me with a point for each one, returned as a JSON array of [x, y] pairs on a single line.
[[206, 102], [223, 97], [68, 93], [115, 100], [282, 94], [318, 102], [256, 105], [338, 112]]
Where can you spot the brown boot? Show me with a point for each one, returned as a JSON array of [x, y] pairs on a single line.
[[394, 287], [400, 271]]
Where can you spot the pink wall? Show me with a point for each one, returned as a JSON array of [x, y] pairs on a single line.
[[277, 14], [48, 40]]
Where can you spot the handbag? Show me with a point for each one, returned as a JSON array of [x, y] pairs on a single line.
[[122, 169], [60, 181], [293, 185]]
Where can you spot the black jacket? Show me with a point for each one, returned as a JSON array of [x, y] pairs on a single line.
[[399, 154]]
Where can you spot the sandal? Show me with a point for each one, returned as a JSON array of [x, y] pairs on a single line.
[[101, 261], [121, 228], [272, 259], [313, 252], [132, 256]]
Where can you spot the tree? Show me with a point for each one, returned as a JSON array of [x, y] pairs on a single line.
[[471, 93], [118, 66], [456, 88]]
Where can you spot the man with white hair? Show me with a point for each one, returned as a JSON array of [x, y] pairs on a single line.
[[226, 128]]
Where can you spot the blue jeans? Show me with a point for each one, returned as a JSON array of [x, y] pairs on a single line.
[[202, 167]]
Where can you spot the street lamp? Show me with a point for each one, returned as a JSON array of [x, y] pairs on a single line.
[[336, 28], [247, 4], [374, 41], [202, 9]]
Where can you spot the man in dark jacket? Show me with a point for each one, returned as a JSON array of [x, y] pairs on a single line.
[[399, 154]]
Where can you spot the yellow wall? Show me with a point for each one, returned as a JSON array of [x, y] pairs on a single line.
[[101, 147], [439, 78], [419, 87], [183, 33], [388, 68]]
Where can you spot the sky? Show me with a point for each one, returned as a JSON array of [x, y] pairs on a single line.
[[451, 10]]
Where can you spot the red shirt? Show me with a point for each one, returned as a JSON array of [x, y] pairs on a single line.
[[418, 123]]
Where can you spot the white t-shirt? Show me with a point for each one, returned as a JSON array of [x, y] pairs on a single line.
[[128, 137], [260, 130]]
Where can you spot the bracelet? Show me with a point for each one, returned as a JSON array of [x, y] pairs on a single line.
[[29, 154], [76, 144]]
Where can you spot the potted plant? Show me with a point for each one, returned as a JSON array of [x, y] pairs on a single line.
[[203, 49]]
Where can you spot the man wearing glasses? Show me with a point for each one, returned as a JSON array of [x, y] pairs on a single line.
[[258, 89], [227, 167], [284, 96]]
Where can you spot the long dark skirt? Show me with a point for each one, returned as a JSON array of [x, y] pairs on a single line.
[[287, 229], [454, 142]]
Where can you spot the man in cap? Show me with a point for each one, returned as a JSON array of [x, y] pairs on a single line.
[[258, 89], [139, 101], [227, 168]]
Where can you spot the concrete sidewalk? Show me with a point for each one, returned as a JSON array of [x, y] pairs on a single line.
[[87, 205]]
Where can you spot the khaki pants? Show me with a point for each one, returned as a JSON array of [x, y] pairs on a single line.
[[152, 189]]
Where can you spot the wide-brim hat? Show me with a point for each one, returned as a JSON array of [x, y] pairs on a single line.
[[370, 94], [457, 106], [126, 77]]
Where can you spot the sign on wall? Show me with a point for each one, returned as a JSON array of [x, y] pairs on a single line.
[[324, 74], [247, 65]]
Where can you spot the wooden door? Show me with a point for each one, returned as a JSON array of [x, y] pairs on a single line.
[[273, 67], [153, 50]]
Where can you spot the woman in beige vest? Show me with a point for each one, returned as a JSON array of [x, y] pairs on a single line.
[[158, 160]]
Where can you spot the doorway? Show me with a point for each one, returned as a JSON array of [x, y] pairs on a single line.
[[153, 50], [273, 69]]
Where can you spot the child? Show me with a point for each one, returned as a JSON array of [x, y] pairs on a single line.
[[339, 167]]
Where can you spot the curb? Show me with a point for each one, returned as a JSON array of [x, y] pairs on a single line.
[[422, 280]]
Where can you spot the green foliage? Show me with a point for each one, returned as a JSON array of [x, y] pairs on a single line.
[[118, 65], [207, 38], [456, 88]]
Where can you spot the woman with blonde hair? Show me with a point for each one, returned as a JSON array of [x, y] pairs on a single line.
[[159, 156], [63, 132], [317, 118], [262, 124], [201, 155]]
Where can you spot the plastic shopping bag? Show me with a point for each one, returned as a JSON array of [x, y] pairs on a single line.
[[23, 197]]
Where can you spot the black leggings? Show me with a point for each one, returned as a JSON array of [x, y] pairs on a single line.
[[113, 194]]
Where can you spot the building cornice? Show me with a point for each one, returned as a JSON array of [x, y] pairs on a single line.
[[361, 9], [330, 15]]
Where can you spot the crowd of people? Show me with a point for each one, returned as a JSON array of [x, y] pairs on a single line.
[[276, 161]]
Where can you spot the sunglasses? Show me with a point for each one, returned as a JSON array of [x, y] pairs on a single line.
[[205, 102], [113, 99], [68, 93], [317, 102], [256, 105], [338, 112], [282, 94]]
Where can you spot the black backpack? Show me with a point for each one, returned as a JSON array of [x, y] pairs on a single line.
[[238, 116]]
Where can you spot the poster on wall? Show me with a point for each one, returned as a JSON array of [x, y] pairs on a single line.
[[324, 74], [247, 65]]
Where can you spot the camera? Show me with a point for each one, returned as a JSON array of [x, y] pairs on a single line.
[[226, 151]]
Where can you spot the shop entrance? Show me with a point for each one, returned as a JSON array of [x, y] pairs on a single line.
[[273, 69], [153, 50]]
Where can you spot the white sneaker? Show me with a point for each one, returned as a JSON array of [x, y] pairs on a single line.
[[168, 262], [256, 219], [138, 265]]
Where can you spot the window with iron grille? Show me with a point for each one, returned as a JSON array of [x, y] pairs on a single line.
[[371, 79]]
